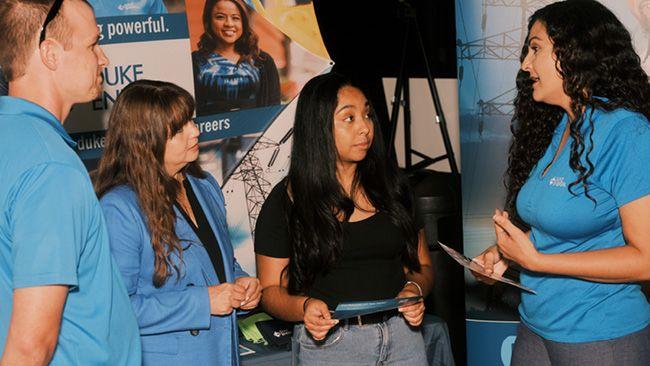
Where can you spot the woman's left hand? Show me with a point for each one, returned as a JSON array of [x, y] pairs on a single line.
[[253, 292], [412, 313], [513, 243]]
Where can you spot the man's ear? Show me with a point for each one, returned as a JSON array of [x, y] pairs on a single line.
[[50, 52]]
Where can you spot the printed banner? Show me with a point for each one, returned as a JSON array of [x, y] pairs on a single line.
[[140, 46], [258, 170], [244, 102]]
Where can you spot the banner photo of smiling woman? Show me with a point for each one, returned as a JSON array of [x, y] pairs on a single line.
[[231, 72]]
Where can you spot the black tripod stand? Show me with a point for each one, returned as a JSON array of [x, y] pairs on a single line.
[[408, 13], [437, 194]]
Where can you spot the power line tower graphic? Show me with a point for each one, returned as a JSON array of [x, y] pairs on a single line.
[[252, 173], [502, 46], [527, 7]]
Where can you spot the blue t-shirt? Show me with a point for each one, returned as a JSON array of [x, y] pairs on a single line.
[[568, 309], [52, 232], [112, 8]]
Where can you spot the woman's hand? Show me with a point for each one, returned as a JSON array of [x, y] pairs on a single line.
[[513, 243], [413, 313], [253, 292], [492, 263], [225, 297], [318, 319]]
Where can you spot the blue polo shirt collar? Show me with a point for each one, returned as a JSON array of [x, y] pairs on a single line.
[[559, 129], [13, 105]]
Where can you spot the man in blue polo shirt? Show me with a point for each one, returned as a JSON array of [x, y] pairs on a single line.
[[62, 301]]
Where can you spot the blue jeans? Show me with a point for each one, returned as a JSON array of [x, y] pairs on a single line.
[[532, 350], [392, 342]]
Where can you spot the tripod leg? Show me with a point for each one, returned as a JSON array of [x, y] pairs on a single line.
[[408, 163], [440, 115], [397, 95]]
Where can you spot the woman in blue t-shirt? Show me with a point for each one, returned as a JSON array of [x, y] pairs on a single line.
[[578, 185]]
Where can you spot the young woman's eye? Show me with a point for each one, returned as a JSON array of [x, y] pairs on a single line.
[[349, 118]]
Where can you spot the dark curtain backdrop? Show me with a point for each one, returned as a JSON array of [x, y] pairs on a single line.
[[365, 39]]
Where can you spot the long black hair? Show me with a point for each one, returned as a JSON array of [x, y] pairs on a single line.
[[315, 196], [600, 70]]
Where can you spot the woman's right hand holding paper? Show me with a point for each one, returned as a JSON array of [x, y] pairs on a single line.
[[492, 262], [318, 319]]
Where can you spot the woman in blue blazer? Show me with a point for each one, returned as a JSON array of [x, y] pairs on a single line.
[[167, 227]]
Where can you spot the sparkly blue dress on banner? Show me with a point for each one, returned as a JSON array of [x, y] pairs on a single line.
[[221, 85]]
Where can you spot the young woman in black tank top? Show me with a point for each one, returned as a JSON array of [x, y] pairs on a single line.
[[340, 228]]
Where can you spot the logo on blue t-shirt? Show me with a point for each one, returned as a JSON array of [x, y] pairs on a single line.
[[557, 182], [113, 8], [132, 6]]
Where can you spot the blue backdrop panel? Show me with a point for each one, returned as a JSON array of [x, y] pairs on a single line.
[[490, 342]]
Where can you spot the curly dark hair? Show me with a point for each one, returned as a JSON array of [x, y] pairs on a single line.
[[246, 45], [599, 69]]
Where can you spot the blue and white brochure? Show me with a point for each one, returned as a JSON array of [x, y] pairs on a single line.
[[346, 310], [475, 266]]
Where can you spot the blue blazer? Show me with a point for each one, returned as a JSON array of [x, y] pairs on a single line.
[[176, 326]]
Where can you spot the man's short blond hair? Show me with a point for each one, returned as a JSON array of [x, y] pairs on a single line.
[[20, 27]]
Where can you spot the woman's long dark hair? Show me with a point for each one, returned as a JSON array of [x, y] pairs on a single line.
[[316, 199], [145, 115], [596, 60], [246, 45]]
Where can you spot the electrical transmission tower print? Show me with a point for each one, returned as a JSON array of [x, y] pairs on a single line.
[[252, 173], [527, 7], [502, 46], [501, 105]]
